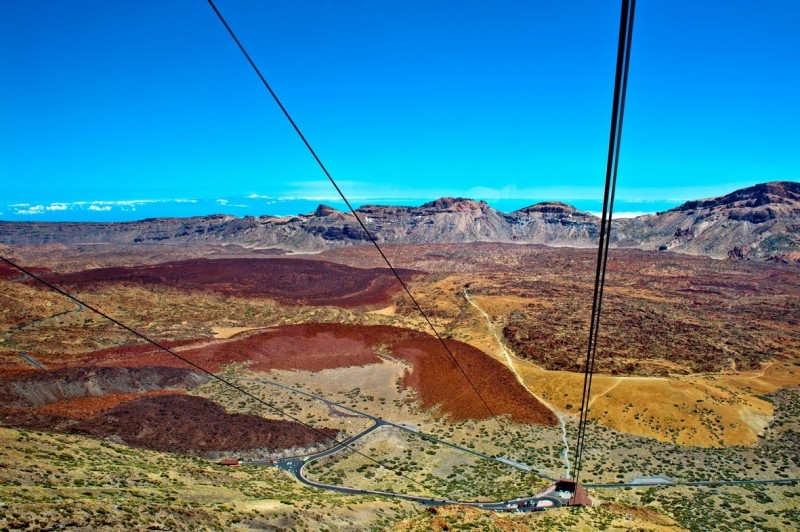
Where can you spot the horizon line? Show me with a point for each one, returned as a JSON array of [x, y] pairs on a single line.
[[260, 205]]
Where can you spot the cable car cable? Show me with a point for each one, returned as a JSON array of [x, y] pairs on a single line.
[[612, 164]]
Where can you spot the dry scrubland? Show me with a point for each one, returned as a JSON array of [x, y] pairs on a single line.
[[699, 366], [52, 481], [729, 509], [61, 480]]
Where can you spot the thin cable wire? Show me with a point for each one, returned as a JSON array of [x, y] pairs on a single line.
[[613, 158], [614, 142], [355, 214], [204, 370], [609, 227], [602, 254]]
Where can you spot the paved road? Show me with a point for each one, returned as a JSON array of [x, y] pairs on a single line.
[[32, 361], [383, 422], [78, 307], [295, 466], [294, 463]]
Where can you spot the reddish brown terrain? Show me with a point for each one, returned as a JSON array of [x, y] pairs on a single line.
[[309, 347], [33, 389], [130, 356], [439, 382], [177, 423], [664, 315], [435, 377], [88, 407], [142, 406], [9, 274], [662, 312], [296, 281]]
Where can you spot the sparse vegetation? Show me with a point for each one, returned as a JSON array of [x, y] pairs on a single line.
[[681, 424]]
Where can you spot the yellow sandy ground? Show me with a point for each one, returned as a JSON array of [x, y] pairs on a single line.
[[227, 332], [704, 409], [387, 311]]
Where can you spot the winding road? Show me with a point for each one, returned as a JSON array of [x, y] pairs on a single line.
[[379, 422], [545, 499], [78, 308], [296, 464]]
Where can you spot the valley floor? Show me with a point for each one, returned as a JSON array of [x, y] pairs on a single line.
[[701, 382]]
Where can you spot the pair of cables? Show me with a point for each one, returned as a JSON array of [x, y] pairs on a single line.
[[623, 61]]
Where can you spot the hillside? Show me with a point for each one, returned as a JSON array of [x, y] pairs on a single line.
[[760, 222]]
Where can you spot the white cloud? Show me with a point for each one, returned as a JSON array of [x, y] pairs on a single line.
[[127, 203], [95, 206], [33, 209], [267, 200], [227, 203]]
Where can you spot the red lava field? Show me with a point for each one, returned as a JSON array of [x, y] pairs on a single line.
[[144, 407], [314, 347], [89, 406], [135, 355], [177, 423], [137, 393], [37, 388], [296, 281]]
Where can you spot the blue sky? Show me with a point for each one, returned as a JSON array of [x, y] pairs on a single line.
[[117, 109]]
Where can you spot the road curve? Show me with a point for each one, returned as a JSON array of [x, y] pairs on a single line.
[[385, 422], [295, 466]]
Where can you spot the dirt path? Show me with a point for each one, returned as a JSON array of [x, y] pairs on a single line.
[[605, 392], [763, 371], [509, 359]]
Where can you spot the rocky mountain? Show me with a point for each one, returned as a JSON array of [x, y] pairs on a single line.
[[443, 220], [760, 222]]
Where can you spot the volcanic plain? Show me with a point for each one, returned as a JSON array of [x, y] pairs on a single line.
[[697, 363]]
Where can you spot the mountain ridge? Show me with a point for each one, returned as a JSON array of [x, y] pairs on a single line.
[[761, 222]]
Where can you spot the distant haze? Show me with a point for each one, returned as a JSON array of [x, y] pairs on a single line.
[[130, 210]]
